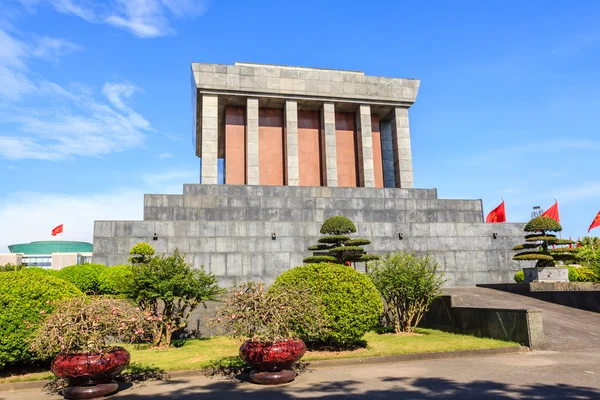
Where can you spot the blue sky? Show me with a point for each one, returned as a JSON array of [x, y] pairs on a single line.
[[95, 97]]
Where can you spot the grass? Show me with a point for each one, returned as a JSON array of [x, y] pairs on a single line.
[[223, 352]]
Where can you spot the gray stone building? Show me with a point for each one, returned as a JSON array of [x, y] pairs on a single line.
[[282, 149]]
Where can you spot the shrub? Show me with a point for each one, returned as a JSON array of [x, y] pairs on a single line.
[[250, 313], [351, 303], [581, 274], [543, 247], [170, 289], [115, 279], [84, 276], [337, 246], [519, 277], [84, 324], [408, 285], [11, 267], [141, 253], [25, 298]]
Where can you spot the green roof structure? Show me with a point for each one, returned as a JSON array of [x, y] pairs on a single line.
[[51, 246]]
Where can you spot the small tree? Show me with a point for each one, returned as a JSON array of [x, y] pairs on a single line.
[[169, 289], [408, 284], [543, 247], [339, 248], [141, 253]]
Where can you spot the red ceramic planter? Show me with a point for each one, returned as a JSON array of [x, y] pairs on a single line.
[[272, 361], [90, 375]]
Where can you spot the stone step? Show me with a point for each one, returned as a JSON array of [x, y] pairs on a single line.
[[308, 191], [318, 215]]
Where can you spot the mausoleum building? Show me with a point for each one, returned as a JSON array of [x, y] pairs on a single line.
[[283, 148]]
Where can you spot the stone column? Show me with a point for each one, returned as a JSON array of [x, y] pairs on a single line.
[[291, 142], [403, 171], [252, 175], [330, 176], [209, 146], [366, 168]]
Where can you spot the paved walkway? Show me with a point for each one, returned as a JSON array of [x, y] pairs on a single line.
[[564, 327], [535, 375]]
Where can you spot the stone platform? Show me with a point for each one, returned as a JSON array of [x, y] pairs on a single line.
[[242, 233]]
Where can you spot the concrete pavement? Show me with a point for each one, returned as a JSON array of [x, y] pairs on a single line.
[[534, 375]]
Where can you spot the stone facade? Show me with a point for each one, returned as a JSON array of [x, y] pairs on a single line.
[[353, 131], [228, 229]]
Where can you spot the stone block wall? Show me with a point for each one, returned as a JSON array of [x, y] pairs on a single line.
[[242, 233]]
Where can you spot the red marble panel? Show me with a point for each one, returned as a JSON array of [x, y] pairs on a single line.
[[346, 153], [270, 146], [235, 145], [309, 147]]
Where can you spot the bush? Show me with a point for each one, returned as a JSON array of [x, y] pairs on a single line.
[[408, 285], [519, 277], [115, 279], [25, 298], [251, 313], [581, 274], [84, 277], [352, 304], [90, 325]]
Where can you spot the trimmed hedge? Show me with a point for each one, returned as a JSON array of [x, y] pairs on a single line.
[[352, 304], [581, 274], [25, 298], [115, 280], [338, 225], [84, 277], [519, 277]]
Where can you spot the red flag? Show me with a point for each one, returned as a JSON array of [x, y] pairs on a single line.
[[579, 241], [570, 244], [595, 223], [498, 214], [57, 230], [552, 212]]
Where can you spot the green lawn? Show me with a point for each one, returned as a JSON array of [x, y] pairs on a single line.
[[222, 351]]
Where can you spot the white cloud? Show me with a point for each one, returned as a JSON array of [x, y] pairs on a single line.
[[164, 156], [143, 18], [60, 122], [53, 48], [32, 215]]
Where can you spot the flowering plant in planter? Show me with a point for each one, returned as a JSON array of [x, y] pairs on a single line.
[[84, 333], [267, 322]]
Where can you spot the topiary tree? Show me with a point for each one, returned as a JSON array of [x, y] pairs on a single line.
[[84, 276], [115, 279], [141, 253], [351, 303], [25, 299], [337, 246], [408, 285], [543, 247]]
